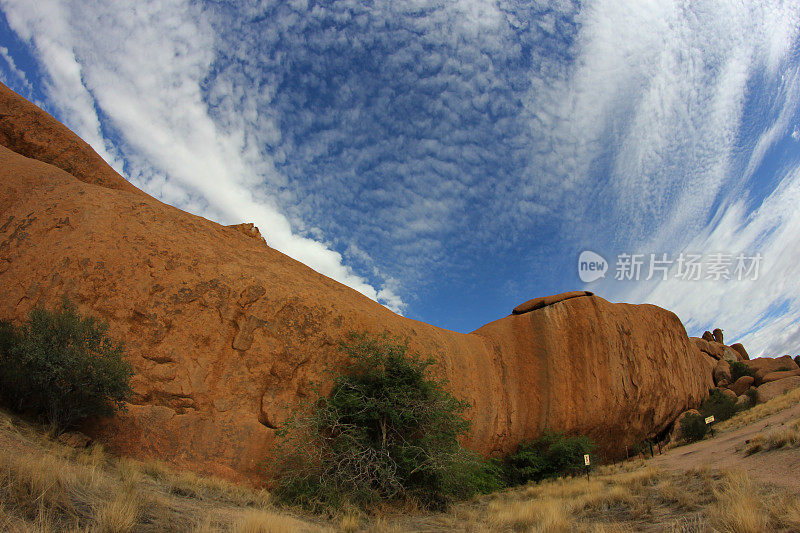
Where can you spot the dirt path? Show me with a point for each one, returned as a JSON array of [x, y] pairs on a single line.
[[727, 450]]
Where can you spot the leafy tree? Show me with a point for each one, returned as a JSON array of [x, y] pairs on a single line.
[[62, 367], [551, 455], [387, 430]]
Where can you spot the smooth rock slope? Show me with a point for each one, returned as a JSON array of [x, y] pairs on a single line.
[[225, 333]]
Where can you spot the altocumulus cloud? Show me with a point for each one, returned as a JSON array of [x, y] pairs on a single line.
[[453, 158]]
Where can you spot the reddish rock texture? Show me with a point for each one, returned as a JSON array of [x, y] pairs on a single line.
[[775, 376], [741, 385], [766, 365], [773, 389], [742, 352], [225, 333], [27, 130]]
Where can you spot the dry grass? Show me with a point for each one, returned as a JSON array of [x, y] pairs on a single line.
[[45, 487], [763, 410], [622, 499], [256, 521], [784, 437], [739, 507]]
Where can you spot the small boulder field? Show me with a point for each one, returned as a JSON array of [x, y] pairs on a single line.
[[740, 379]]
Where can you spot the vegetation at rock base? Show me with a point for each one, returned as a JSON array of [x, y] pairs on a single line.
[[739, 369], [718, 405], [693, 427], [549, 456], [62, 367], [387, 431]]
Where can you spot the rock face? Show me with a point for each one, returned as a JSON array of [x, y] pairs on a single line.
[[774, 389], [722, 373], [225, 334], [766, 365], [741, 351], [781, 374], [741, 385], [717, 333]]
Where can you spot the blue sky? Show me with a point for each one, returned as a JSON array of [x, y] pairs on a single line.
[[453, 159]]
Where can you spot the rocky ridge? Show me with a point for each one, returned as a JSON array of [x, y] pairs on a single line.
[[225, 333]]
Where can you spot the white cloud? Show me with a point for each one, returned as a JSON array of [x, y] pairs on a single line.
[[763, 314]]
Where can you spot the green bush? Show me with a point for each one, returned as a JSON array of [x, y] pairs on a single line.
[[693, 427], [386, 431], [719, 405], [62, 368], [739, 369], [551, 455]]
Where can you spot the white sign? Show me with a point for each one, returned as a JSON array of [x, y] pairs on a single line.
[[586, 459], [709, 419]]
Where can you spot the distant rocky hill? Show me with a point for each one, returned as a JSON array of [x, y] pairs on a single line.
[[226, 333]]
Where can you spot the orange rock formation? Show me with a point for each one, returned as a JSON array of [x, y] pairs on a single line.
[[225, 333]]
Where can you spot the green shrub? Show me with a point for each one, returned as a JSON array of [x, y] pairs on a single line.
[[753, 395], [62, 368], [551, 455], [693, 427], [386, 431], [719, 405], [739, 369]]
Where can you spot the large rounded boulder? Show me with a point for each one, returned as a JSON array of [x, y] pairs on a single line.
[[226, 334]]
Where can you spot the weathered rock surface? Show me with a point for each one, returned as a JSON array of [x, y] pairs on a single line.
[[766, 365], [722, 373], [774, 389], [27, 130], [225, 334], [727, 392], [544, 301], [743, 402], [710, 348], [741, 351], [781, 374], [741, 385], [707, 336], [717, 333]]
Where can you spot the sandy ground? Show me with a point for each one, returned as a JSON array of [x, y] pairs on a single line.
[[727, 450]]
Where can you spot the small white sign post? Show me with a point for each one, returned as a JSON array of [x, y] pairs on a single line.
[[709, 421], [586, 463]]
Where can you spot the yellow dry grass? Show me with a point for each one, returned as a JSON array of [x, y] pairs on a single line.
[[259, 521], [46, 487], [787, 436]]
